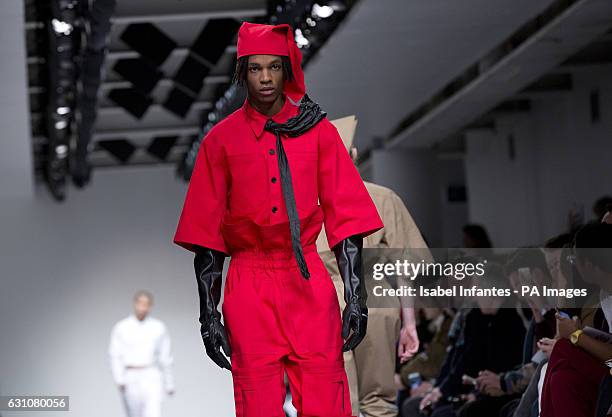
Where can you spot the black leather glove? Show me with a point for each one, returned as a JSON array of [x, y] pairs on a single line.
[[355, 314], [208, 265]]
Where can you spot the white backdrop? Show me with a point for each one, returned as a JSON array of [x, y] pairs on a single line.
[[68, 274]]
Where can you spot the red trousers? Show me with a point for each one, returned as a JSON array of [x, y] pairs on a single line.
[[279, 322], [571, 382]]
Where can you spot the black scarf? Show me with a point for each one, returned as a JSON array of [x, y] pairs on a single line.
[[309, 115]]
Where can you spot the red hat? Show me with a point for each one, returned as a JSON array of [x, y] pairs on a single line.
[[257, 39]]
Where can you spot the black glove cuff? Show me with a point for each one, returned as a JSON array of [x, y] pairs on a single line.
[[348, 257], [208, 265]]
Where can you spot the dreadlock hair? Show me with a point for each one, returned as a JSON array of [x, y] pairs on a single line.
[[242, 67]]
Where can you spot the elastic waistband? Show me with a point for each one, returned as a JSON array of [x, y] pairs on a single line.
[[277, 258]]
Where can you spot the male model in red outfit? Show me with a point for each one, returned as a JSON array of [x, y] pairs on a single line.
[[266, 179]]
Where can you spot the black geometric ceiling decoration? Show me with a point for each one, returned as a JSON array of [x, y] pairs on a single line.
[[161, 146], [149, 41], [214, 39], [139, 72], [221, 88], [119, 148], [179, 102], [204, 53], [191, 74], [131, 100]]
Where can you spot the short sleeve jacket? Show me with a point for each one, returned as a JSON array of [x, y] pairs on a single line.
[[235, 202]]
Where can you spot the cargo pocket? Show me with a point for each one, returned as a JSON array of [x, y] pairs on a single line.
[[325, 391], [247, 406], [258, 392]]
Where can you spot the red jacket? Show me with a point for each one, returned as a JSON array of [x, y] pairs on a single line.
[[235, 202]]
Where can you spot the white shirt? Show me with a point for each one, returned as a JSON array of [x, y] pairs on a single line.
[[144, 342]]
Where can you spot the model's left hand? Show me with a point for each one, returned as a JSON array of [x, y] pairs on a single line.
[[565, 327], [355, 318], [215, 339], [408, 343], [355, 314]]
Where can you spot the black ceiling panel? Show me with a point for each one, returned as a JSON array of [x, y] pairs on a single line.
[[178, 102], [131, 100], [119, 148], [214, 38], [161, 146], [139, 72], [191, 74], [149, 41]]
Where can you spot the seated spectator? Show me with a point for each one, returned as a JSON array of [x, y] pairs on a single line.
[[530, 373], [427, 363], [528, 266], [554, 251], [576, 367], [489, 338], [501, 390]]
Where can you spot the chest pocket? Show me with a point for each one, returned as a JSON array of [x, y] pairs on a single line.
[[249, 190], [303, 166]]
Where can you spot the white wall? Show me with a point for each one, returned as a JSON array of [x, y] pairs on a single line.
[[68, 274], [502, 193], [451, 172], [414, 177], [562, 163], [421, 179]]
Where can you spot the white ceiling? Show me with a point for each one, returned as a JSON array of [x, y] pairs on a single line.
[[578, 26], [384, 62]]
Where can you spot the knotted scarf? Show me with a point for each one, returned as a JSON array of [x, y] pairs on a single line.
[[309, 115]]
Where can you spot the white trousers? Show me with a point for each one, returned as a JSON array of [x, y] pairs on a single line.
[[143, 392]]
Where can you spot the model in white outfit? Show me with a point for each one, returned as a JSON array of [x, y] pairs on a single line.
[[141, 360]]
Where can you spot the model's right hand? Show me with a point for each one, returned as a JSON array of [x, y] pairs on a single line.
[[208, 265], [215, 339]]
